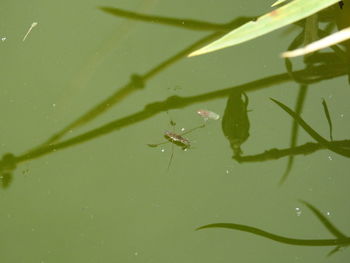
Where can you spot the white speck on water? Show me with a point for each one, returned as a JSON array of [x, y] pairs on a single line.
[[298, 211], [3, 39], [54, 105], [342, 115], [227, 171], [328, 213], [330, 158], [162, 150], [136, 253], [186, 149], [182, 129]]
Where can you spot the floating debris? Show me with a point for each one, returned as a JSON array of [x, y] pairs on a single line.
[[206, 114], [30, 29]]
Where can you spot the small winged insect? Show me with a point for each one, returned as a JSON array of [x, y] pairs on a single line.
[[176, 139], [206, 114]]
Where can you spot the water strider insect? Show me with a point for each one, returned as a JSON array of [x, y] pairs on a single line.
[[176, 139]]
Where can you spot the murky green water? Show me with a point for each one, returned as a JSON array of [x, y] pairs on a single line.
[[86, 92]]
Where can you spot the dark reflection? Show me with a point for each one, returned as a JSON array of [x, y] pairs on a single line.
[[341, 147], [320, 66], [303, 87], [340, 241], [7, 165], [344, 151], [138, 81], [176, 102], [337, 57], [295, 129], [304, 149], [235, 122], [328, 116], [177, 22]]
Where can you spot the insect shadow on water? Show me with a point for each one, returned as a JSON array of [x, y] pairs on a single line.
[[176, 139]]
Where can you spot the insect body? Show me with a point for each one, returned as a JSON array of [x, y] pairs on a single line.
[[177, 139], [173, 138]]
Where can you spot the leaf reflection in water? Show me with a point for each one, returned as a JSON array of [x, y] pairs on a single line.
[[340, 241]]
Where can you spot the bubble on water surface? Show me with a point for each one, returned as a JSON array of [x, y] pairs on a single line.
[[298, 211]]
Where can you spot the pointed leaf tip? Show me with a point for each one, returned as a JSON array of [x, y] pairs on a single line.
[[285, 15]]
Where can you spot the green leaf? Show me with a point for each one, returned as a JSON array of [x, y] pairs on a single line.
[[278, 2], [285, 15]]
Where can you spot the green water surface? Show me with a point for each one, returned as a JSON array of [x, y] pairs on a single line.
[[86, 92]]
